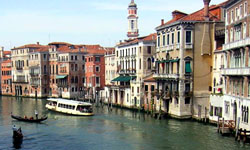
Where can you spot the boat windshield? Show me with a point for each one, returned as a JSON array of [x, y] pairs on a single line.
[[85, 109], [52, 103]]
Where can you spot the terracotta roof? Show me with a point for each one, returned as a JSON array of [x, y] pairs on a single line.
[[199, 15], [59, 43], [136, 40], [6, 61], [43, 49], [28, 46], [6, 52]]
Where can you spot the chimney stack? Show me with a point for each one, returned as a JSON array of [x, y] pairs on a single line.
[[37, 43], [206, 9], [162, 21]]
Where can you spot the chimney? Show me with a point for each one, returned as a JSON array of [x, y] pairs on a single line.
[[37, 43], [206, 9], [162, 21]]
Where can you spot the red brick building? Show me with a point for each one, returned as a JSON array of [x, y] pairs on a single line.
[[6, 81], [95, 71]]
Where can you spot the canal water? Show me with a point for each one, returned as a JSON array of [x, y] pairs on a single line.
[[117, 130]]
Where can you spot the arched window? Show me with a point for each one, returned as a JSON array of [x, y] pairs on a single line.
[[149, 63]]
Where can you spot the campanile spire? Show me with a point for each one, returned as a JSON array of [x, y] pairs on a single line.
[[133, 31]]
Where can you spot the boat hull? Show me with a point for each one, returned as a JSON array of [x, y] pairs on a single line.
[[69, 112], [28, 120]]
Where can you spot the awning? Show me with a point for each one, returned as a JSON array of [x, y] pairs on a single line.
[[60, 76], [117, 79], [124, 78], [187, 67]]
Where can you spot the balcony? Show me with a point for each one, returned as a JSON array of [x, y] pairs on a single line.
[[19, 81], [19, 68], [177, 46], [36, 84], [236, 71], [188, 46], [62, 84], [166, 76], [170, 47], [34, 74], [236, 44]]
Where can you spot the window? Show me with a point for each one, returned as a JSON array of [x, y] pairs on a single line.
[[97, 59], [83, 80], [172, 38], [164, 39], [167, 39], [146, 88], [187, 67], [187, 100], [72, 57], [178, 37], [232, 16], [188, 36], [245, 8], [75, 57], [152, 88], [132, 24], [97, 79], [149, 49], [158, 42], [149, 63], [138, 90], [76, 79], [227, 107], [97, 68]]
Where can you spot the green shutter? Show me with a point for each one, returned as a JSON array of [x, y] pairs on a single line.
[[187, 67]]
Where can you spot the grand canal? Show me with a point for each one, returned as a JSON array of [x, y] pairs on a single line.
[[117, 130]]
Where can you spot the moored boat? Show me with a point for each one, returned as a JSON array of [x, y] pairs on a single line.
[[70, 107], [28, 119]]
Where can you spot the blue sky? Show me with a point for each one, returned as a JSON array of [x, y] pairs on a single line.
[[82, 21]]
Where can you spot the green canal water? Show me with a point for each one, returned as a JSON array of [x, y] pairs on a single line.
[[117, 130]]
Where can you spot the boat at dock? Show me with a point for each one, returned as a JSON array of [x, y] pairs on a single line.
[[70, 107]]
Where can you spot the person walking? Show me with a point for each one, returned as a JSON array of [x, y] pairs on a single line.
[[36, 113]]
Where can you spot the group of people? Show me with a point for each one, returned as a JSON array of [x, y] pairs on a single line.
[[31, 118]]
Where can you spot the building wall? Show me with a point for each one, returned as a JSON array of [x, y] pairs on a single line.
[[6, 78]]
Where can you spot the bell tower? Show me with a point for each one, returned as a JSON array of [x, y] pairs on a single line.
[[133, 31]]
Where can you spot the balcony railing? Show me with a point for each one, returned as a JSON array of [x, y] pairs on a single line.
[[188, 46], [235, 44], [174, 76], [62, 84], [236, 71], [20, 81]]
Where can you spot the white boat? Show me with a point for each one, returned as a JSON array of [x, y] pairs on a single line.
[[70, 107]]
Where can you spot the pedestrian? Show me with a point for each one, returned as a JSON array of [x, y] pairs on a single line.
[[36, 113], [14, 128]]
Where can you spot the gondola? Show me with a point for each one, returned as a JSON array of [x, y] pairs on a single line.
[[17, 138], [28, 119]]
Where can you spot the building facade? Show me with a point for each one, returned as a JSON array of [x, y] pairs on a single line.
[[133, 59], [236, 74], [183, 44]]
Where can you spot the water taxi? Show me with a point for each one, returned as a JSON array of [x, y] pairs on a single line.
[[70, 107]]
